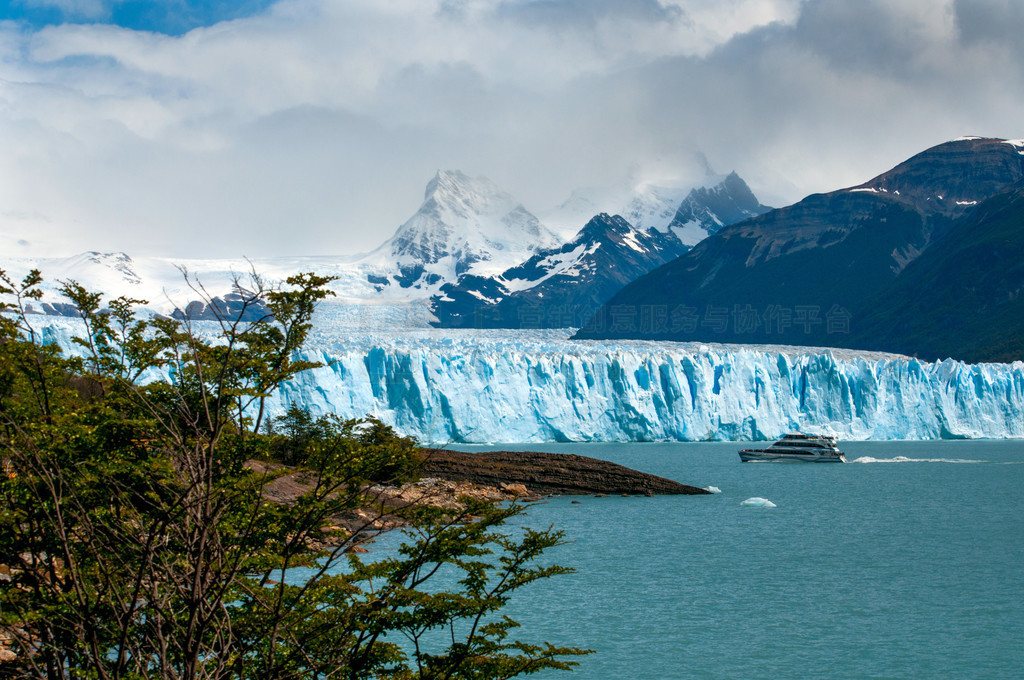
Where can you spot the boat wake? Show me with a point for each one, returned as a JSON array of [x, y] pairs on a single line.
[[904, 459]]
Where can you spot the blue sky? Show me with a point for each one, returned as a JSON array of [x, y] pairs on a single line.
[[171, 17], [188, 128]]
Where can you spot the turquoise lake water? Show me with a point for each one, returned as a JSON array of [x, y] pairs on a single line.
[[908, 567]]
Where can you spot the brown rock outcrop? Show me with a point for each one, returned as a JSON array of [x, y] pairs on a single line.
[[548, 473]]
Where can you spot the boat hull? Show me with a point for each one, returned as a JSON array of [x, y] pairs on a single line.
[[764, 456]]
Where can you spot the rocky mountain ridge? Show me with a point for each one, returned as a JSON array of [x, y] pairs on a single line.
[[807, 274]]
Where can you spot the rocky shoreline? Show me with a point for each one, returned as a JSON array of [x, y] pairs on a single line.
[[545, 474]]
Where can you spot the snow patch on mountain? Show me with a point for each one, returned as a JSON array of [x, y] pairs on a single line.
[[691, 233], [561, 262], [654, 207], [630, 240]]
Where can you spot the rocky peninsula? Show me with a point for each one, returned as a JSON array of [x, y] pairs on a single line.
[[546, 474]]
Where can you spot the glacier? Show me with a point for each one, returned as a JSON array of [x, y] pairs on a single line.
[[472, 386]]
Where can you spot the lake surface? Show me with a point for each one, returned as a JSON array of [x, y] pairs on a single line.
[[908, 563]]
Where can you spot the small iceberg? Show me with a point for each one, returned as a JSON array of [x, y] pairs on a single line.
[[712, 489], [758, 503]]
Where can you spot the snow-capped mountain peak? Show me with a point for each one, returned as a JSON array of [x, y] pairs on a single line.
[[644, 203], [707, 209], [653, 207], [465, 224], [457, 191]]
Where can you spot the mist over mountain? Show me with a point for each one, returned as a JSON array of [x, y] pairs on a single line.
[[705, 210], [563, 286]]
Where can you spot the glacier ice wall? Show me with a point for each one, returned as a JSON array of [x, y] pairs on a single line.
[[516, 386]]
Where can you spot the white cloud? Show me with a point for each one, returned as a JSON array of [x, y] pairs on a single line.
[[325, 119]]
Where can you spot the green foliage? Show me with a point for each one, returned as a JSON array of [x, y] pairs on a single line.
[[139, 536], [369, 444]]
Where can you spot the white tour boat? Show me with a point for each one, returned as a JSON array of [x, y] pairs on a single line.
[[797, 447]]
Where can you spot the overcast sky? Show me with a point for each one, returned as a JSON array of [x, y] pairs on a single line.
[[217, 128]]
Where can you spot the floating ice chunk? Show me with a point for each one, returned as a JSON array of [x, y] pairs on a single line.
[[758, 503], [712, 489]]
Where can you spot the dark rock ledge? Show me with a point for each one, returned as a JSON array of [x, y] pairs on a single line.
[[548, 473]]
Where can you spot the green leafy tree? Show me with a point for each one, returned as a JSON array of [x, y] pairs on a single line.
[[139, 536]]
